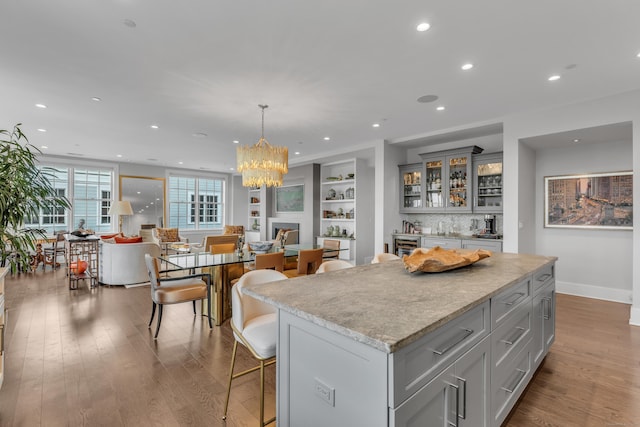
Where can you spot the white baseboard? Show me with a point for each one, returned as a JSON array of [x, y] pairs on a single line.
[[597, 292]]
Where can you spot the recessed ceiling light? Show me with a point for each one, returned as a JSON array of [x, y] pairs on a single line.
[[154, 126], [467, 66], [427, 98], [297, 153], [576, 140], [96, 99], [138, 192], [41, 130], [44, 147], [199, 135], [440, 108], [152, 160], [180, 163], [235, 141], [554, 78], [376, 125], [638, 55], [423, 26], [41, 106], [118, 155], [326, 138], [130, 23], [231, 169]]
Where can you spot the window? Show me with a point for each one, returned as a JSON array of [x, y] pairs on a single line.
[[195, 202], [88, 189]]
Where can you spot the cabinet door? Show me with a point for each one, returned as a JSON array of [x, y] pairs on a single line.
[[472, 376], [487, 174], [435, 184], [544, 326], [411, 188], [434, 405], [459, 174]]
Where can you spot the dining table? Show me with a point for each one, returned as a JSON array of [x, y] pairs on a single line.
[[219, 266]]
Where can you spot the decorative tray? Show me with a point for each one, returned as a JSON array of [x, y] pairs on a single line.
[[436, 259]]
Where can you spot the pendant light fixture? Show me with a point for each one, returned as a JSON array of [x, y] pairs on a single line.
[[262, 164]]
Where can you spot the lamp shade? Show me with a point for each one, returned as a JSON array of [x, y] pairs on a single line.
[[121, 207]]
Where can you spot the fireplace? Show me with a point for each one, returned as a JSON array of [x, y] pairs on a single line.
[[276, 226]]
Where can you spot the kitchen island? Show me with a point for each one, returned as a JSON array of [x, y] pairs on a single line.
[[375, 345]]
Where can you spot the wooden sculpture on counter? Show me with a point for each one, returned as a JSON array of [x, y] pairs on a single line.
[[436, 259]]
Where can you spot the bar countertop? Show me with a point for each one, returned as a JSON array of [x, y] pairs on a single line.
[[386, 307]]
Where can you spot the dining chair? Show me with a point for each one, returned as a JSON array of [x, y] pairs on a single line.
[[332, 248], [255, 326], [272, 261], [333, 265], [173, 290], [309, 261], [56, 249], [222, 248], [384, 257]]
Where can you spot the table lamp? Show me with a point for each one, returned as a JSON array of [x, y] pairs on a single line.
[[119, 209]]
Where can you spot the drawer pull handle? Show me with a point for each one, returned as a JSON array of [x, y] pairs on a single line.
[[2, 339], [515, 336], [543, 277], [460, 336], [454, 407], [462, 383], [512, 301], [546, 308], [516, 383]]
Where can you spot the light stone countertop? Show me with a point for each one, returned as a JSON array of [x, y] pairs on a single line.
[[386, 307]]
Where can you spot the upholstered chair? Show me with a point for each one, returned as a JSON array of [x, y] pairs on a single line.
[[309, 261], [233, 229], [332, 248], [333, 265], [384, 257], [272, 261], [173, 290], [255, 326]]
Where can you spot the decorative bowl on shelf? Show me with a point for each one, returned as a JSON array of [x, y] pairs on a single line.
[[261, 247]]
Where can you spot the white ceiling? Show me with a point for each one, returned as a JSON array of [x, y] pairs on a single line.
[[329, 68]]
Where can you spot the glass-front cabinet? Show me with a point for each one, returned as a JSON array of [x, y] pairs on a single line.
[[487, 170], [448, 180], [411, 188]]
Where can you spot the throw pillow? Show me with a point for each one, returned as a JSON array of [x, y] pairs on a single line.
[[233, 229], [168, 234], [110, 236], [128, 239]]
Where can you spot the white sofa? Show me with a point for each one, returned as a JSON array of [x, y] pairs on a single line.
[[123, 263]]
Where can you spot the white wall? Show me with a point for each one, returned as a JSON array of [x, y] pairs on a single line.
[[590, 262], [386, 198], [614, 109]]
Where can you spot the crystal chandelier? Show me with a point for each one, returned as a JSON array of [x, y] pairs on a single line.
[[262, 164]]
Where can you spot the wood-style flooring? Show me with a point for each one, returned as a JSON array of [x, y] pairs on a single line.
[[86, 358]]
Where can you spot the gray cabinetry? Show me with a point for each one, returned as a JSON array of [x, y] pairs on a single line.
[[487, 178], [432, 242], [490, 245], [411, 189], [544, 304], [448, 180]]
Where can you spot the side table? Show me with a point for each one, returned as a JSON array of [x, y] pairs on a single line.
[[85, 249]]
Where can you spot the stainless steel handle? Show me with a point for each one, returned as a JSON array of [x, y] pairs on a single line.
[[517, 295], [456, 406], [543, 277], [546, 311], [455, 340], [519, 378], [462, 383], [515, 336]]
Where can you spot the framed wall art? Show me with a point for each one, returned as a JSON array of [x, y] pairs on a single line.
[[290, 198], [591, 201]]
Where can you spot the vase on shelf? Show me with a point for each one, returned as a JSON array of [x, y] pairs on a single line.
[[255, 225]]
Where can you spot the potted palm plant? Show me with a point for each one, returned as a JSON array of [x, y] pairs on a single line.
[[25, 190]]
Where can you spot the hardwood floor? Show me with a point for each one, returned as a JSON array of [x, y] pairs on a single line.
[[86, 357]]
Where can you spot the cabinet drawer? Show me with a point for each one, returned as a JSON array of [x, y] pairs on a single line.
[[508, 382], [428, 242], [511, 336], [507, 301], [415, 365], [543, 277]]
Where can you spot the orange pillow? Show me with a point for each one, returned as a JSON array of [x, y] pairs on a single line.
[[233, 229], [128, 239], [109, 236], [168, 234]]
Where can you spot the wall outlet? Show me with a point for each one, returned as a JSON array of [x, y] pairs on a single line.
[[324, 392]]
